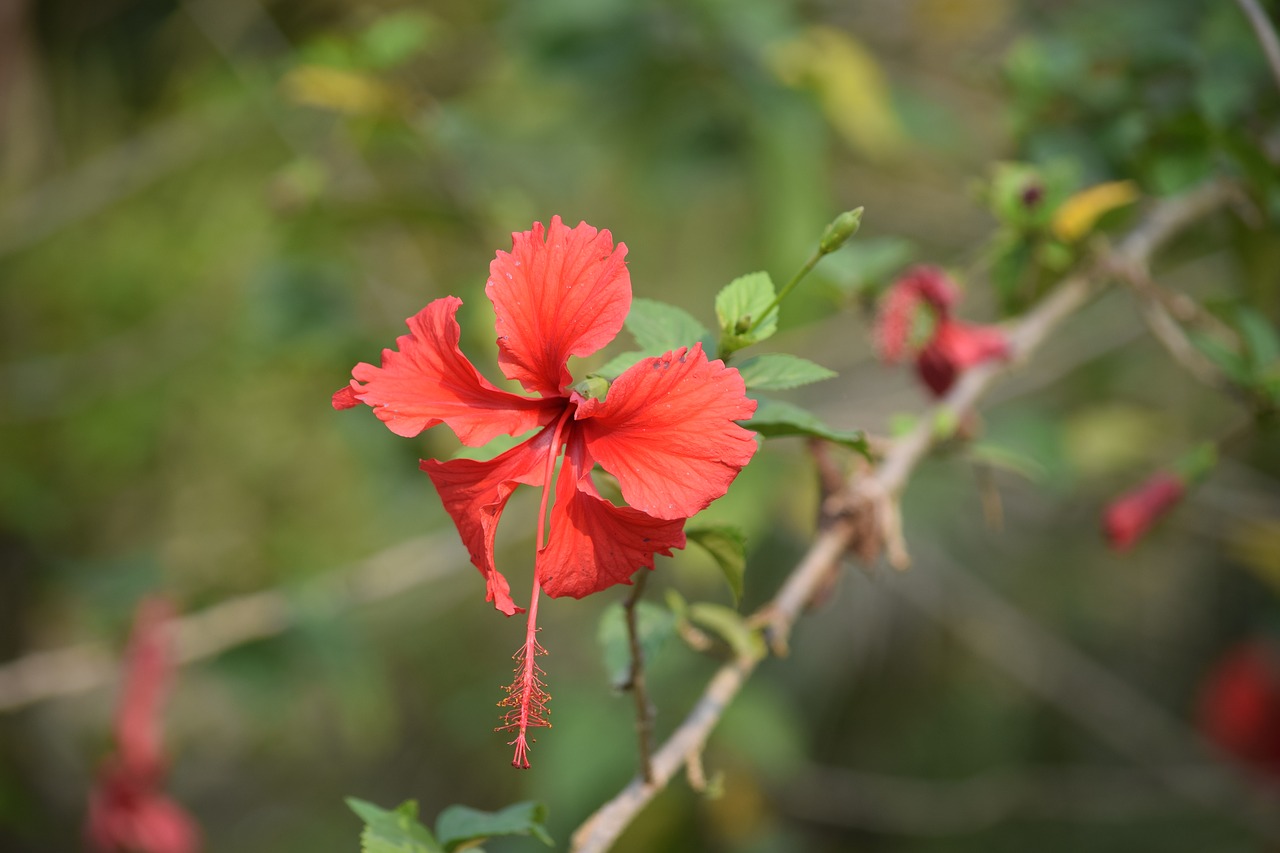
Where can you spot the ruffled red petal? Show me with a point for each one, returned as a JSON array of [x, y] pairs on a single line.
[[956, 347], [566, 295], [345, 398], [595, 544], [429, 381], [667, 431], [475, 493]]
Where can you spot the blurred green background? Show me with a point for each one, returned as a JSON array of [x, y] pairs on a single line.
[[211, 210]]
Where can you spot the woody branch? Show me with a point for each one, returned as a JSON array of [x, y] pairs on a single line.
[[875, 493]]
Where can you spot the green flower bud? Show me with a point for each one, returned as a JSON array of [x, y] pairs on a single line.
[[841, 228], [593, 386]]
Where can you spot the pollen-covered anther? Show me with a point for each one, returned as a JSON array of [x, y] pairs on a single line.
[[526, 699]]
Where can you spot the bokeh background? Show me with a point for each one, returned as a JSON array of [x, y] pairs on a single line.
[[210, 210]]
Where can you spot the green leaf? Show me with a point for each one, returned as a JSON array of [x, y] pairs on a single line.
[[866, 264], [460, 827], [618, 365], [728, 547], [1230, 362], [777, 371], [654, 624], [395, 38], [1260, 338], [659, 328], [1007, 459], [739, 306], [395, 831], [774, 419], [730, 625]]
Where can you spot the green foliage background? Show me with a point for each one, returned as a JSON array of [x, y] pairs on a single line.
[[211, 210]]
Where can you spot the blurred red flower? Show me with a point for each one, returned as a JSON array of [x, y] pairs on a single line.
[[950, 346], [666, 429], [1239, 709], [1128, 518], [128, 813]]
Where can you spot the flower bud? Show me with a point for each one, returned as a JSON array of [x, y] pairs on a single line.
[[841, 228], [1128, 518]]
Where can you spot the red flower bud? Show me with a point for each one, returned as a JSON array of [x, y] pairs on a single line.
[[1130, 516], [1240, 705]]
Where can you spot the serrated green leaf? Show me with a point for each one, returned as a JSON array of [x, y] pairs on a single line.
[[459, 826], [1260, 338], [654, 624], [774, 419], [730, 625], [393, 831], [728, 547], [659, 327], [739, 307], [778, 371]]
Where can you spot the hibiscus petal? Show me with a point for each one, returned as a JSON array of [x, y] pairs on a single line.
[[595, 544], [429, 381], [666, 430], [956, 347], [566, 295], [475, 493]]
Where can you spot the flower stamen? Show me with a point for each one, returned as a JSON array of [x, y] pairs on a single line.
[[527, 696]]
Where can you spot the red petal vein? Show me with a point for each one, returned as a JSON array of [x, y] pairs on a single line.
[[566, 295], [666, 430], [429, 381]]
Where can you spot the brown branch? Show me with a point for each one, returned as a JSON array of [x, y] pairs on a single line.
[[1142, 731], [635, 680], [877, 491], [908, 806], [1265, 33], [63, 672]]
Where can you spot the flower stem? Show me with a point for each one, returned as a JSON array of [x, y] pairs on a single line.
[[782, 294], [635, 682], [841, 229]]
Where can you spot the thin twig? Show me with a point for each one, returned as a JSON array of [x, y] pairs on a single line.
[[1265, 32], [602, 829], [938, 808], [1169, 332], [1105, 704], [206, 633], [635, 680]]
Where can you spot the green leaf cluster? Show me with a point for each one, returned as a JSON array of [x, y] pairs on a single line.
[[1251, 362], [1024, 257], [457, 828]]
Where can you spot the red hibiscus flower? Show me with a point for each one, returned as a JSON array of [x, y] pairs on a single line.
[[665, 430], [1128, 518], [951, 346], [1240, 705], [128, 813]]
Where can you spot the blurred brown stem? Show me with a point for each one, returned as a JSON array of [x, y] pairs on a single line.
[[635, 681]]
